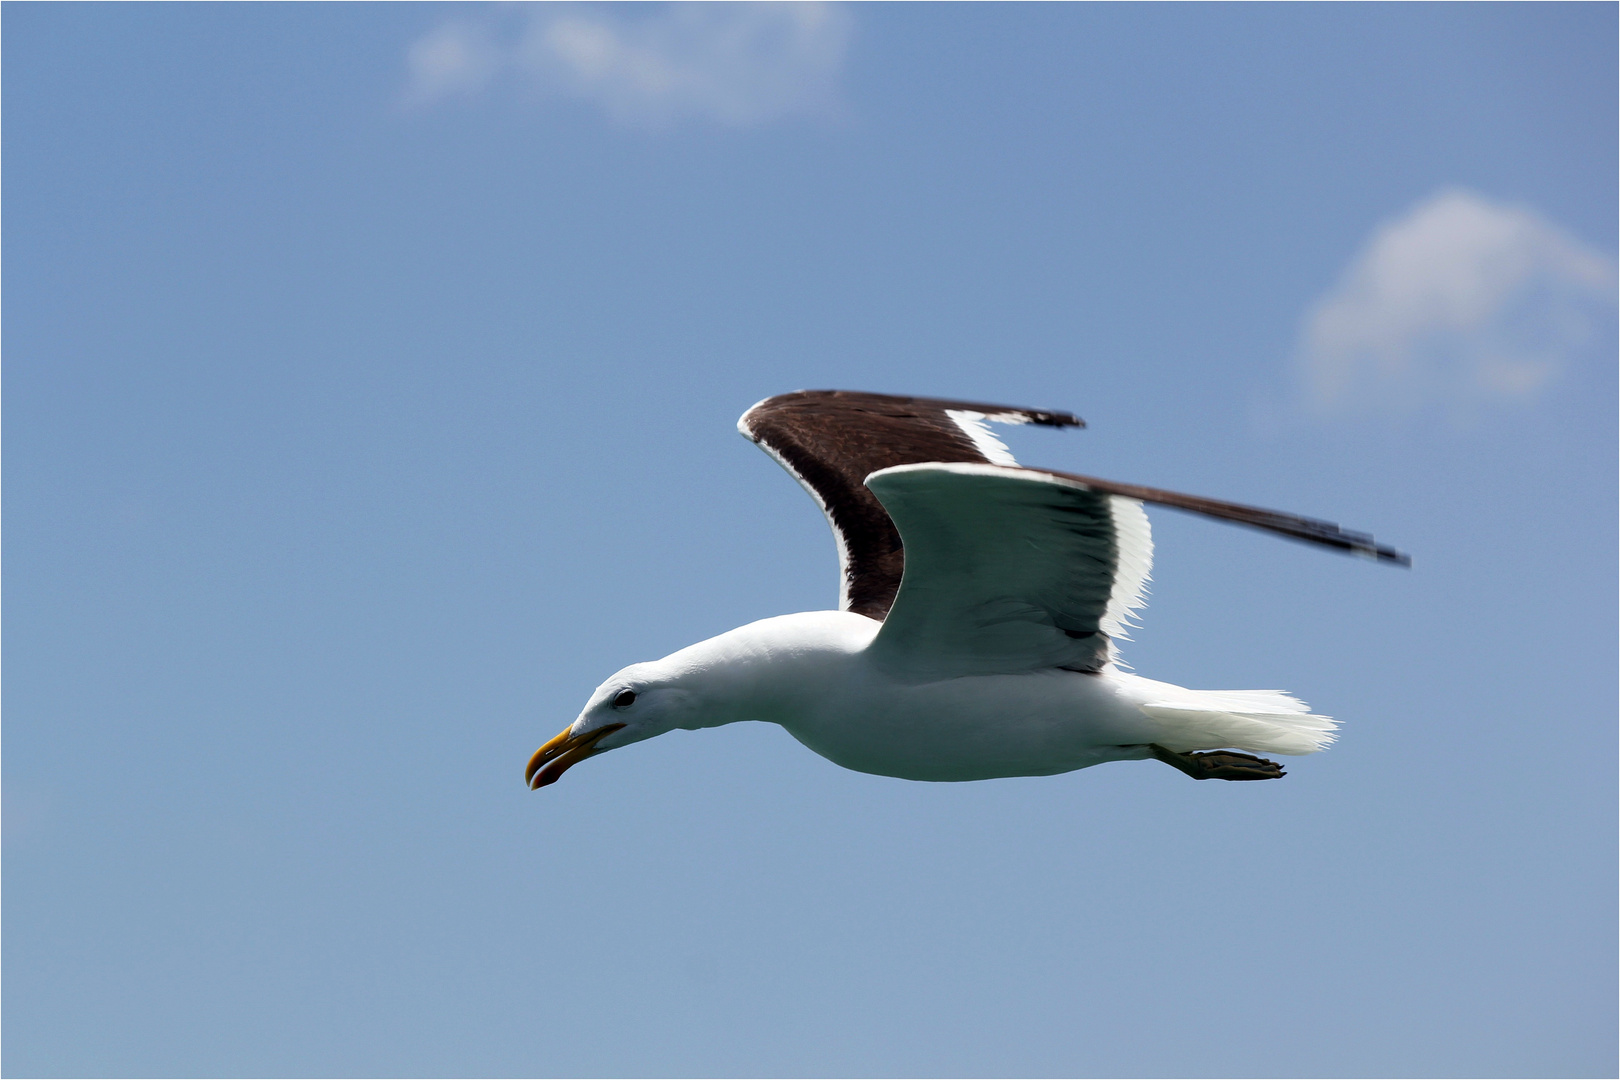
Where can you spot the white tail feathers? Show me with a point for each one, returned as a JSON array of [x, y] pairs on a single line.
[[1260, 721]]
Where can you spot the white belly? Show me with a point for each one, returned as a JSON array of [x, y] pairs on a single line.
[[972, 728]]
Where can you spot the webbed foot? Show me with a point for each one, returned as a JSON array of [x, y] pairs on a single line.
[[1219, 764]]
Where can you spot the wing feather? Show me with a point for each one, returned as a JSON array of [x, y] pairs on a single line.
[[1007, 570]]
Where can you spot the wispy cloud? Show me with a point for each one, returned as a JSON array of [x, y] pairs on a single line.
[[731, 64], [1460, 303]]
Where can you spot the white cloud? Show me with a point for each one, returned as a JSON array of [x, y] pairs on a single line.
[[733, 64], [1459, 303], [455, 58]]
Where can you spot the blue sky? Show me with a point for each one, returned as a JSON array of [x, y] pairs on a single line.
[[371, 374]]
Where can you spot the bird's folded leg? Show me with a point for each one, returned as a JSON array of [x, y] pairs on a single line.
[[1219, 764]]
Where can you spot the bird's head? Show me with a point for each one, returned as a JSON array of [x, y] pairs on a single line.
[[639, 702], [734, 676]]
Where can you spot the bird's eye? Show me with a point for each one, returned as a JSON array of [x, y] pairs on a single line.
[[624, 699]]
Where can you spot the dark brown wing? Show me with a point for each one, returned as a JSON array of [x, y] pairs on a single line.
[[1290, 525], [832, 440]]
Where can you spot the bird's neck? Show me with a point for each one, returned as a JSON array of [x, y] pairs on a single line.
[[770, 670]]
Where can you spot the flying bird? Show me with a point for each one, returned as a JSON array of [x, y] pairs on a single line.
[[979, 607]]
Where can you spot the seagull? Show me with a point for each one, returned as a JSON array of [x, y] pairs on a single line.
[[979, 607]]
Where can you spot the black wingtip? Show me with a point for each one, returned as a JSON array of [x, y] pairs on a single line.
[[1042, 417], [1358, 544], [1364, 545], [1390, 555]]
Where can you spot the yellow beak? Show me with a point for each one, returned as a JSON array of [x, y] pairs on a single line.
[[553, 759]]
